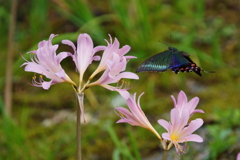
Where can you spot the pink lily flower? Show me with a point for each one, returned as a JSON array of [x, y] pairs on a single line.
[[112, 47], [135, 116], [179, 131], [84, 54], [47, 63], [182, 102], [113, 74]]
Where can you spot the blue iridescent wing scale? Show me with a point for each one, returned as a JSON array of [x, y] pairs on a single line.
[[157, 63]]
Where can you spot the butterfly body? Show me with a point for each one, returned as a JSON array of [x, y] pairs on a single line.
[[171, 59]]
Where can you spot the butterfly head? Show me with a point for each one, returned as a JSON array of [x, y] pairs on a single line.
[[173, 49]]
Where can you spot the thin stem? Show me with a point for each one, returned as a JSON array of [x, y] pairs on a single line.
[[80, 106], [165, 154], [8, 76]]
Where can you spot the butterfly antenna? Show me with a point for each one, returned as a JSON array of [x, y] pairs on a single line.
[[170, 39], [164, 43]]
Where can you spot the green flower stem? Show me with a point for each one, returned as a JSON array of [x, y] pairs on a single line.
[[79, 97], [165, 154]]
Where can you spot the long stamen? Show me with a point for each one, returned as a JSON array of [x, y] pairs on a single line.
[[123, 84]]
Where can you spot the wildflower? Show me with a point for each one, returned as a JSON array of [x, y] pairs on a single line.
[[182, 102], [179, 131], [84, 53], [112, 47], [46, 62], [113, 74], [135, 116]]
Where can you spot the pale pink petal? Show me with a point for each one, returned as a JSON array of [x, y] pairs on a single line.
[[46, 85], [179, 122], [166, 136], [99, 48], [128, 75], [197, 111], [193, 126], [124, 111], [125, 49], [238, 156], [192, 138], [129, 57], [174, 101], [129, 121], [96, 58], [182, 98], [192, 104], [34, 67], [164, 124], [84, 52], [61, 56], [125, 94], [70, 43]]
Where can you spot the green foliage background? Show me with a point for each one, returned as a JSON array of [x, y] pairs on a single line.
[[43, 124]]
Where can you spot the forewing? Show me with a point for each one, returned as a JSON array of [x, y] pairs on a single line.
[[157, 63]]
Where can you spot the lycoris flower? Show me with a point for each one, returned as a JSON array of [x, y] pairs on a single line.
[[112, 65], [112, 47], [113, 74], [182, 102], [84, 53], [135, 116], [179, 130], [46, 62]]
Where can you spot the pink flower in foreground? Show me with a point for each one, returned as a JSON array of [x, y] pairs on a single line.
[[112, 47], [238, 156], [135, 116], [84, 54], [179, 131], [182, 102], [47, 63], [113, 74]]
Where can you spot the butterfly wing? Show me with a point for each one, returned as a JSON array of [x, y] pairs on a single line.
[[186, 65], [170, 59], [179, 61], [157, 63]]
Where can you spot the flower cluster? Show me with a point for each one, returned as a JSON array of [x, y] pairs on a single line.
[[180, 127], [46, 62], [112, 65]]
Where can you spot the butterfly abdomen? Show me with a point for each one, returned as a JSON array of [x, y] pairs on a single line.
[[189, 68]]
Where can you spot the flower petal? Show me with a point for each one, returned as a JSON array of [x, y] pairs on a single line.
[[164, 124]]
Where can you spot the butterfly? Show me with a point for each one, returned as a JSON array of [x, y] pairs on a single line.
[[170, 59]]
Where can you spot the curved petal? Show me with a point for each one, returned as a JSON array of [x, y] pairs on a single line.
[[164, 124], [174, 101], [46, 85], [70, 43], [125, 49], [62, 55], [193, 126], [128, 75], [192, 104], [192, 138], [197, 111], [166, 136], [182, 99]]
